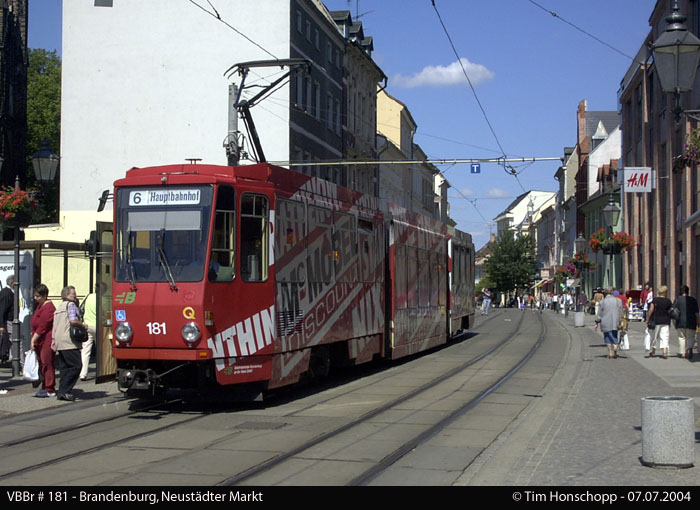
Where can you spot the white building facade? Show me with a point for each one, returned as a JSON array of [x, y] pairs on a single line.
[[143, 83]]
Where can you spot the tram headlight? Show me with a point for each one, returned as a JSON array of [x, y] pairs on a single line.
[[123, 333], [191, 334]]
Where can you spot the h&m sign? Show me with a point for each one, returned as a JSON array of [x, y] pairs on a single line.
[[637, 179]]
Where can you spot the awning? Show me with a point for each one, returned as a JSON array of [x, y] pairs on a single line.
[[694, 218]]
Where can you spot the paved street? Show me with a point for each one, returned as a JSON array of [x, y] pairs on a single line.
[[586, 428], [582, 428]]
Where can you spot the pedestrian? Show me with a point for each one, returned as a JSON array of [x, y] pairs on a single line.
[[608, 317], [67, 315], [619, 295], [582, 301], [486, 301], [598, 296], [90, 318], [645, 299], [41, 325], [687, 322], [7, 309], [659, 312]]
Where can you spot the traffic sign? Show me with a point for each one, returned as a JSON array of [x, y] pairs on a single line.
[[476, 168]]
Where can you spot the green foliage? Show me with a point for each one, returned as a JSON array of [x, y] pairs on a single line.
[[44, 116], [43, 100], [512, 263]]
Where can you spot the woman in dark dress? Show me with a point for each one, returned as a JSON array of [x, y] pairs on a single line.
[[659, 313], [41, 326]]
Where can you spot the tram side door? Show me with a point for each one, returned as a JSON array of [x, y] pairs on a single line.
[[106, 365]]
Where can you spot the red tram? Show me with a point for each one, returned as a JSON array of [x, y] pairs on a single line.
[[252, 276]]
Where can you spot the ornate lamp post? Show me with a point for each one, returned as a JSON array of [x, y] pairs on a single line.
[[676, 55], [579, 247], [45, 163], [611, 214]]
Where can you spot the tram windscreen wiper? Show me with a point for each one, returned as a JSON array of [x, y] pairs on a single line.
[[164, 261], [131, 268]]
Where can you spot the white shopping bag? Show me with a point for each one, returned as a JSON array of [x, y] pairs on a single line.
[[624, 341], [31, 366], [647, 340]]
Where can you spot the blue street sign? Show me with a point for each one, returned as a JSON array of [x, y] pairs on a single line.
[[476, 168]]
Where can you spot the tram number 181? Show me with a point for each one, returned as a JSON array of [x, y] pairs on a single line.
[[156, 328]]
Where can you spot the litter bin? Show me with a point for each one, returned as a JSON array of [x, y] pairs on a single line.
[[579, 319], [668, 432]]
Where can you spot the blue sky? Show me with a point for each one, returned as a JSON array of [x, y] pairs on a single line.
[[530, 70]]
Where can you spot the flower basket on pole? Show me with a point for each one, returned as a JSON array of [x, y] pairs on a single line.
[[17, 207], [611, 245], [691, 151]]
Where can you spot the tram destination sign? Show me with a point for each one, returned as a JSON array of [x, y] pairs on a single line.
[[161, 197]]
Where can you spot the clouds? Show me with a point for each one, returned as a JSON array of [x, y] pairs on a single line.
[[445, 76]]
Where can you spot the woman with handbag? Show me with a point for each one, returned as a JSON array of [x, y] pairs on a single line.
[[686, 322], [608, 317], [41, 343], [659, 315], [67, 315]]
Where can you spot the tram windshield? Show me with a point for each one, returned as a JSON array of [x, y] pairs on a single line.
[[162, 233]]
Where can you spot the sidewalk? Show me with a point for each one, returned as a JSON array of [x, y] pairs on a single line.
[[20, 393], [586, 429]]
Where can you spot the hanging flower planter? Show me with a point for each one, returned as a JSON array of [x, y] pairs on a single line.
[[582, 263], [17, 207], [611, 244], [691, 152]]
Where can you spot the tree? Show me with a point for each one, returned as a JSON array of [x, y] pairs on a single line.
[[43, 100], [44, 116], [512, 263]]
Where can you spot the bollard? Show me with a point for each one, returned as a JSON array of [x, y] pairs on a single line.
[[668, 432], [579, 319]]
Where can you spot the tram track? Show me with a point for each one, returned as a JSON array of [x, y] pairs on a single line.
[[389, 459], [84, 424], [21, 473]]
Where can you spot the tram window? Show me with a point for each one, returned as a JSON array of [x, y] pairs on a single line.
[[320, 253], [412, 277], [442, 262], [222, 262], [381, 253], [290, 240], [434, 278], [367, 251], [400, 297], [424, 278], [254, 238], [345, 248]]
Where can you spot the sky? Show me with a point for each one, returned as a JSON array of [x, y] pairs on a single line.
[[529, 70]]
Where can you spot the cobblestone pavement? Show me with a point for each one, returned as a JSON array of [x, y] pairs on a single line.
[[586, 430]]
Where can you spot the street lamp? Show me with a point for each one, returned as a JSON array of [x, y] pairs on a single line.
[[676, 55], [579, 248], [580, 244], [611, 214], [45, 163]]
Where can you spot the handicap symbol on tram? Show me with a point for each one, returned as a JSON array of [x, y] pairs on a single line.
[[120, 315]]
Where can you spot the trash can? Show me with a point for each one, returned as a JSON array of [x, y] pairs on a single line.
[[579, 319], [668, 432]]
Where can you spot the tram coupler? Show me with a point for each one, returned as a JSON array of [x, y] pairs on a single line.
[[134, 379]]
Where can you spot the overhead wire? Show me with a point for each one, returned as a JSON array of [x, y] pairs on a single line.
[[217, 16], [555, 15], [471, 85]]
